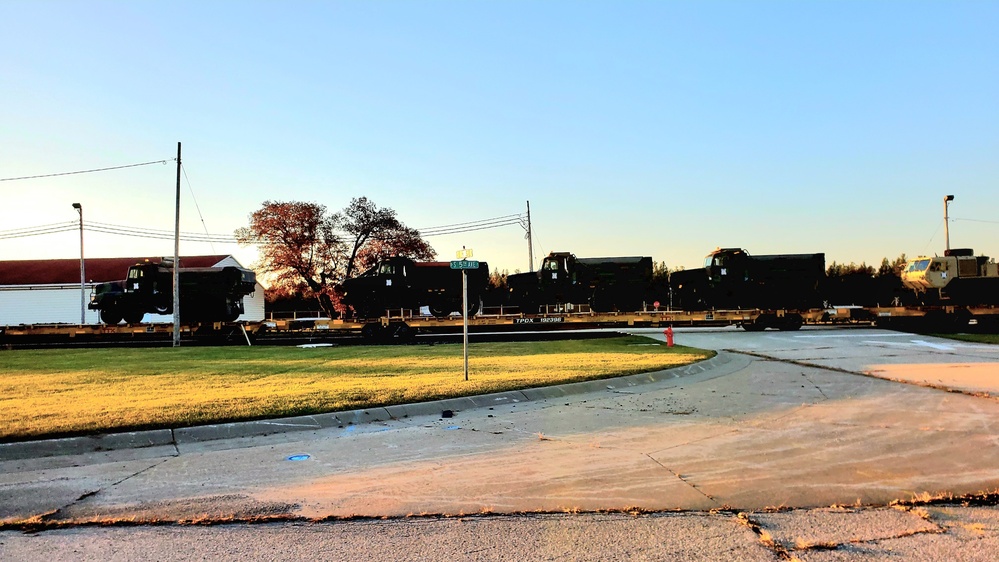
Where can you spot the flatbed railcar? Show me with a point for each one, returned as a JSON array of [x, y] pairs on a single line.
[[401, 325], [139, 334]]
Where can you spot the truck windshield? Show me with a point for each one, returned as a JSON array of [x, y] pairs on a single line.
[[714, 260], [918, 265], [135, 273]]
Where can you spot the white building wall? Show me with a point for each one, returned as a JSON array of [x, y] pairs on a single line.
[[44, 304], [253, 306]]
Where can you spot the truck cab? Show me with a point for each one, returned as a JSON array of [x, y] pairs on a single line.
[[385, 286], [725, 265]]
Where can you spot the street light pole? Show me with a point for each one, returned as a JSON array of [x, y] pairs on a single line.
[[947, 200], [83, 275]]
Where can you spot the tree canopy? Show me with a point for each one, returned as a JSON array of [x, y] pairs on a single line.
[[305, 250]]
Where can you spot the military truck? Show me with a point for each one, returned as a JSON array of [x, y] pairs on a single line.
[[604, 284], [401, 283], [959, 277], [733, 279], [207, 294]]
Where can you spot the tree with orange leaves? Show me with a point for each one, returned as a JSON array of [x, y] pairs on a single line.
[[305, 251]]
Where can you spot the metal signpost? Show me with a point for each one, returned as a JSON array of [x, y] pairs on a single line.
[[464, 264]]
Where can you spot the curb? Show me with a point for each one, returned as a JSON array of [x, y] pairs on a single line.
[[199, 434]]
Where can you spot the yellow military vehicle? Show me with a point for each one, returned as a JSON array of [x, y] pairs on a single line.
[[959, 277]]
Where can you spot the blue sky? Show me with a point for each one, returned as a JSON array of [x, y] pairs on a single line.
[[633, 128]]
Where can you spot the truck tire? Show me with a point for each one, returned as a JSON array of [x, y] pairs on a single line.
[[473, 307], [161, 304], [110, 315], [133, 316], [440, 310]]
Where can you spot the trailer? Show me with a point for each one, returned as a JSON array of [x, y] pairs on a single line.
[[402, 325]]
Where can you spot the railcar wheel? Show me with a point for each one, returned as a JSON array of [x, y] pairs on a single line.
[[403, 332], [372, 331], [791, 322]]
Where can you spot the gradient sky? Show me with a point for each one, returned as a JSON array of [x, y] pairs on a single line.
[[633, 128]]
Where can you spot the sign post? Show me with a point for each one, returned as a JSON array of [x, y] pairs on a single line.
[[464, 264]]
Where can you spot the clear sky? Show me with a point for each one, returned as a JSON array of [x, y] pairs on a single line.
[[655, 128]]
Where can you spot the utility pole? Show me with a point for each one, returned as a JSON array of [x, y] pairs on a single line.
[[530, 243], [176, 261], [83, 276], [947, 200]]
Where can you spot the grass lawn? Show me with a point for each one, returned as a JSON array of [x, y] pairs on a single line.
[[973, 338], [48, 393]]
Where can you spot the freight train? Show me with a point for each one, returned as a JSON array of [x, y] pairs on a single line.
[[780, 287], [207, 294]]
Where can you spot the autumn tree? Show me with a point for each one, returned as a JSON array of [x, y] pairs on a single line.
[[497, 279], [306, 251]]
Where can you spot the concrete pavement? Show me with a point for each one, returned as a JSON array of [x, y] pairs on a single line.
[[795, 431]]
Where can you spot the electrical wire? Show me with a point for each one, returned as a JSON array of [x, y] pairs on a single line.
[[39, 230], [198, 208], [471, 226], [89, 171], [158, 234], [974, 220]]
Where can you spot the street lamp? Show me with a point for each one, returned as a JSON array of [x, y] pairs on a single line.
[[947, 200], [83, 276]]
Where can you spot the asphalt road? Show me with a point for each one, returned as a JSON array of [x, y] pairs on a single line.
[[846, 444]]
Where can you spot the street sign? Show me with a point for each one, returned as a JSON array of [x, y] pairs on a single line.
[[464, 264]]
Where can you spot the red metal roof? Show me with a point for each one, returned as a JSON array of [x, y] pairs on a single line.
[[97, 270]]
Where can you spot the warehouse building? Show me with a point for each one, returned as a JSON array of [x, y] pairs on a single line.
[[48, 291]]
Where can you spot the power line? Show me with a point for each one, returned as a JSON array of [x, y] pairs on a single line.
[[157, 234], [89, 171], [471, 226], [196, 206], [974, 220], [39, 230]]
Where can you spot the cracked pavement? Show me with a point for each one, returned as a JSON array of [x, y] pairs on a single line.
[[800, 445]]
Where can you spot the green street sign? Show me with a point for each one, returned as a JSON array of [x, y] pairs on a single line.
[[464, 264]]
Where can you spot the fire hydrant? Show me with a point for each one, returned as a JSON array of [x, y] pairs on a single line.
[[669, 336]]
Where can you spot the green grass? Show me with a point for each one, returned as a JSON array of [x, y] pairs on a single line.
[[973, 338], [48, 393]]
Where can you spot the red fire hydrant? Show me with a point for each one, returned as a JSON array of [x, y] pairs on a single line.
[[669, 336]]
